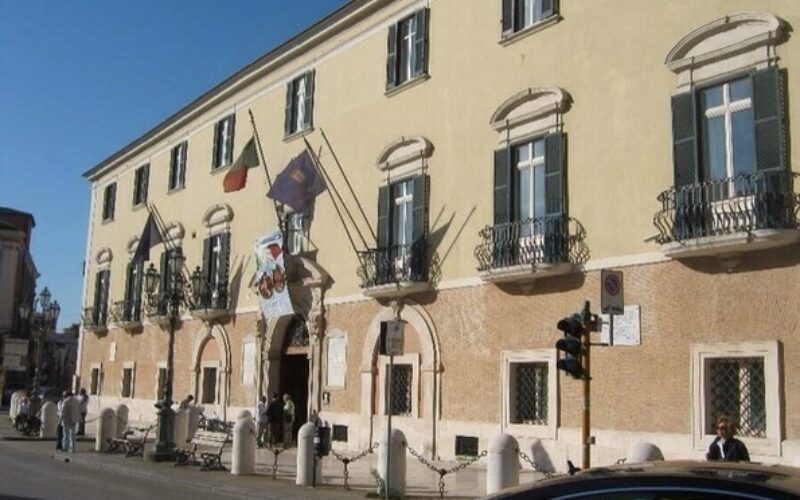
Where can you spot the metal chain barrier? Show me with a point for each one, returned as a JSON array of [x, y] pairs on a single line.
[[442, 471], [276, 451], [348, 460], [533, 464]]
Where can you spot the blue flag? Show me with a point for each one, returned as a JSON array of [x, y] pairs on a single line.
[[298, 184]]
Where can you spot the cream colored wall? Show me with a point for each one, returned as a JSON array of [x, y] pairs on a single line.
[[608, 55]]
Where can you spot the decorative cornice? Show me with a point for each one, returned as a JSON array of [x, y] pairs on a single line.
[[559, 101]]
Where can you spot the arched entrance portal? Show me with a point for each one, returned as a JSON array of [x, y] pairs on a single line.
[[294, 369]]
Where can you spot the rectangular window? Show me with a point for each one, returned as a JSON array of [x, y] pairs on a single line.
[[466, 446], [737, 389], [521, 14], [162, 382], [529, 160], [339, 433], [127, 382], [407, 49], [133, 292], [215, 271], [140, 180], [402, 226], [529, 398], [100, 308], [94, 382], [209, 395], [299, 104], [297, 225], [177, 166], [109, 199], [399, 394], [403, 220], [222, 154]]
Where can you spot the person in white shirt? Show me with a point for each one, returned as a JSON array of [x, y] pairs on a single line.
[[22, 413], [70, 416], [288, 420], [83, 399], [262, 421]]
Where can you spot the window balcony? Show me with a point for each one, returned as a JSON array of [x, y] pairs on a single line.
[[728, 216], [395, 271], [210, 302], [126, 314], [94, 319], [157, 310], [530, 249]]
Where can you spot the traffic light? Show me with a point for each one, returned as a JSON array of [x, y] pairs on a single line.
[[572, 345]]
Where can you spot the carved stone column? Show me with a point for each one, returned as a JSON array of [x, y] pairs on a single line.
[[316, 332]]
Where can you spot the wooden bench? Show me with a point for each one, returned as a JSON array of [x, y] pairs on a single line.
[[132, 441], [209, 444]]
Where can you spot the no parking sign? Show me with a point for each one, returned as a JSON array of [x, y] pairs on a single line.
[[611, 293]]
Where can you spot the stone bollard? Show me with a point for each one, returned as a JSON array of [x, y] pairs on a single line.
[[397, 474], [502, 467], [181, 428], [49, 428], [194, 419], [106, 429], [122, 420], [305, 454], [243, 456], [643, 452]]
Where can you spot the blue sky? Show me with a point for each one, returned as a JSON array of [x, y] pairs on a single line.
[[80, 79]]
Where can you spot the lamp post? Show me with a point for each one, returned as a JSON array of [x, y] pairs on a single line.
[[173, 296], [41, 322]]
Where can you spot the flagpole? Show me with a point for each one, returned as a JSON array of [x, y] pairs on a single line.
[[162, 228], [324, 172], [350, 186], [278, 210], [319, 168]]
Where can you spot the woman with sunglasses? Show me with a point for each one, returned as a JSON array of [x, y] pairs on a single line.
[[725, 447]]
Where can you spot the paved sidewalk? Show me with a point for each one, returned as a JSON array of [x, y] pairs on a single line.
[[421, 481]]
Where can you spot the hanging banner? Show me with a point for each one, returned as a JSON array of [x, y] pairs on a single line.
[[270, 278]]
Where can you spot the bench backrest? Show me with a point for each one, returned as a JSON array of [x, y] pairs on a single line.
[[210, 439], [137, 432]]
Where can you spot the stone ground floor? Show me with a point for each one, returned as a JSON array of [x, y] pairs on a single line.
[[697, 341]]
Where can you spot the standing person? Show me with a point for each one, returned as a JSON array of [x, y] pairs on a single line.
[[60, 428], [186, 403], [275, 419], [70, 415], [725, 447], [288, 420], [23, 412], [262, 419], [83, 399]]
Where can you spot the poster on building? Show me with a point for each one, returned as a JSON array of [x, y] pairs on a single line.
[[270, 278]]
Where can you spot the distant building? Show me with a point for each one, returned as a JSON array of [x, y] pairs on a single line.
[[504, 154], [17, 286], [59, 357]]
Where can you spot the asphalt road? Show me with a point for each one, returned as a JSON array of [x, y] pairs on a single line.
[[29, 471]]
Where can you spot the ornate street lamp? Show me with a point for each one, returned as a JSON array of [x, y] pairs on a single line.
[[42, 322], [172, 297]]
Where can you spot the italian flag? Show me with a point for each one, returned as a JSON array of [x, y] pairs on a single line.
[[236, 178]]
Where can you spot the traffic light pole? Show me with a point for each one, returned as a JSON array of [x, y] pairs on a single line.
[[586, 428]]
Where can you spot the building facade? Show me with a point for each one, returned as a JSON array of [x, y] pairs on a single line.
[[17, 286], [502, 154]]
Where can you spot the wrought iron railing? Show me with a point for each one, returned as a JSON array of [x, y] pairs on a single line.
[[126, 311], [744, 203], [541, 240], [94, 317], [157, 305], [394, 264], [210, 297]]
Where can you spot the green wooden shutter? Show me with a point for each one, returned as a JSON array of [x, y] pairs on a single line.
[[137, 290], [554, 174], [224, 257], [391, 57], [206, 260], [421, 42], [684, 139], [309, 118], [104, 286], [420, 207], [769, 123], [384, 215], [502, 186], [215, 161], [508, 16], [519, 15], [145, 182], [98, 294], [229, 139], [184, 151], [112, 200], [288, 116]]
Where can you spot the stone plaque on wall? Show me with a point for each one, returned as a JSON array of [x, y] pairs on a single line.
[[248, 363], [337, 348]]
